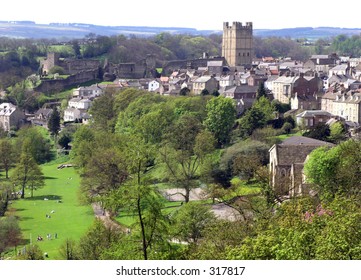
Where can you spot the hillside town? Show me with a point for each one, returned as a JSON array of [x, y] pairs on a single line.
[[227, 140]]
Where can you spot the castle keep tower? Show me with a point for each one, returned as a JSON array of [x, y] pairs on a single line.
[[237, 44]]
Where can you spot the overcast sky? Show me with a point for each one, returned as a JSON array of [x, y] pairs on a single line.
[[210, 15]]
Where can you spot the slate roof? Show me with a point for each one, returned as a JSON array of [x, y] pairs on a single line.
[[301, 140], [296, 149]]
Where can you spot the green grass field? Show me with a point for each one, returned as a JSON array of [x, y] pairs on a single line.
[[69, 220]]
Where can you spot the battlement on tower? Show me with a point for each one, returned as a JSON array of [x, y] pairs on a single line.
[[237, 25]]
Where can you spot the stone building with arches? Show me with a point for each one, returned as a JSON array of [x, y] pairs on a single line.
[[286, 164]]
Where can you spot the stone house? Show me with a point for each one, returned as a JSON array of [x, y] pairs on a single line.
[[285, 87], [229, 80], [321, 63], [341, 69], [348, 106], [286, 164], [311, 118], [215, 67], [89, 92], [41, 117], [244, 96], [10, 116], [76, 115], [79, 103], [205, 82], [306, 102]]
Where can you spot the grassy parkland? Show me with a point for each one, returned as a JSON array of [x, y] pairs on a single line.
[[67, 218]]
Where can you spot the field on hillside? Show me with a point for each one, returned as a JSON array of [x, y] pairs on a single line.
[[59, 200]]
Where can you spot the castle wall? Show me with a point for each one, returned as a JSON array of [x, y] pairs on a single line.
[[53, 86], [73, 66]]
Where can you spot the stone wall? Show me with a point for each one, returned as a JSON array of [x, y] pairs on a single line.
[[53, 86]]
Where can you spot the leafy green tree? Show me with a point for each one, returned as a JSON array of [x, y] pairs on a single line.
[[68, 250], [218, 236], [244, 158], [32, 252], [334, 171], [321, 132], [54, 122], [221, 116], [321, 169], [97, 239], [39, 146], [340, 238], [83, 145], [27, 172], [261, 91], [185, 151], [57, 70], [7, 155], [261, 112], [337, 133], [105, 172], [287, 127], [103, 113], [190, 222], [76, 48]]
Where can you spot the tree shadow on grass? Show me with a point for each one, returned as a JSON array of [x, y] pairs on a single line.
[[26, 218], [49, 178], [45, 197]]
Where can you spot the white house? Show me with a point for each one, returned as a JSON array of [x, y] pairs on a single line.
[[10, 116], [153, 85], [79, 103]]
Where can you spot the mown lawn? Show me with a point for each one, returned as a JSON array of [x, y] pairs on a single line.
[[60, 195]]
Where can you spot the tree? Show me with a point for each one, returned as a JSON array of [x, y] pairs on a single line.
[[97, 239], [261, 91], [57, 70], [321, 131], [54, 122], [39, 146], [184, 151], [68, 250], [76, 48], [105, 172], [221, 116], [337, 133], [27, 172], [31, 252], [103, 113], [141, 197], [335, 171], [261, 112], [190, 222], [184, 91], [204, 92], [7, 155], [10, 233]]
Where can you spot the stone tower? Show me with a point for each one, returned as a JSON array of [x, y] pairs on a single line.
[[237, 44]]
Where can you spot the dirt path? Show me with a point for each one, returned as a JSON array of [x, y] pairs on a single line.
[[103, 215]]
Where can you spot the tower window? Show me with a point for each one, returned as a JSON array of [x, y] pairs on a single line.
[[239, 54]]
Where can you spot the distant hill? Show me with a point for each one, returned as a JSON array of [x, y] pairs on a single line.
[[29, 29]]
